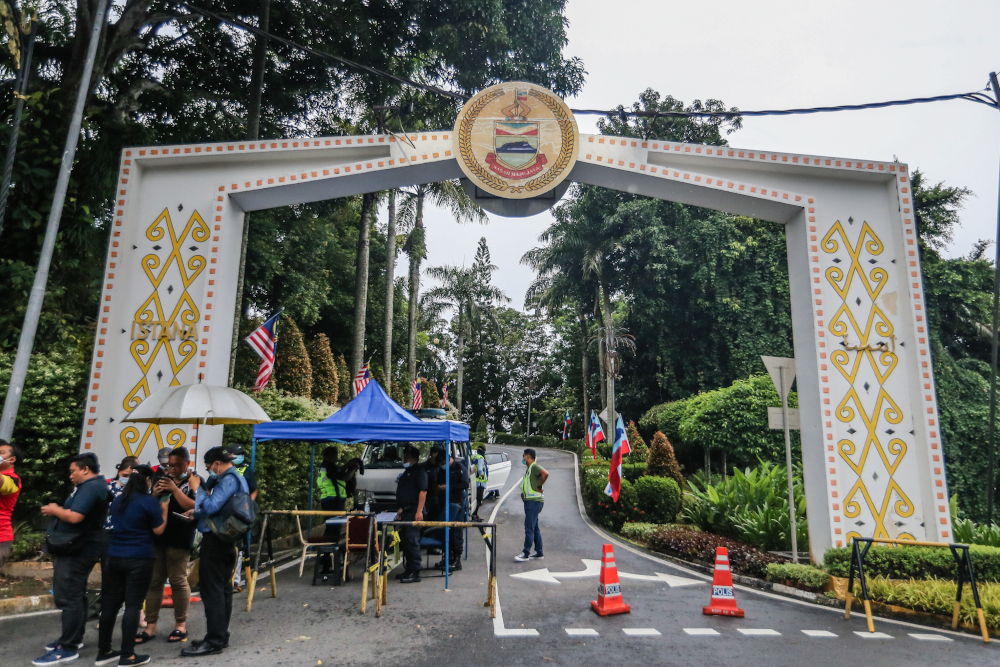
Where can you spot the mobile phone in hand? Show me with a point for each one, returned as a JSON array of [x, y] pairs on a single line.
[[182, 516]]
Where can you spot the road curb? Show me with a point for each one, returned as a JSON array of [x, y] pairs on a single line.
[[26, 604]]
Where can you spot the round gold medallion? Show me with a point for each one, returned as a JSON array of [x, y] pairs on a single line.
[[516, 140]]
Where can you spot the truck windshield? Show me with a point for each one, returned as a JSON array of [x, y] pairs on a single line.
[[390, 454]]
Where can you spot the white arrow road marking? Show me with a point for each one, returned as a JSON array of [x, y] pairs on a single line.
[[592, 568]]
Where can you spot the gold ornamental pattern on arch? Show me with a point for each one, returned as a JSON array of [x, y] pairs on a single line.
[[878, 445], [516, 140]]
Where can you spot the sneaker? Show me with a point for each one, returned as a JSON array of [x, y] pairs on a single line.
[[136, 659], [52, 646], [522, 558], [56, 657], [536, 556], [413, 578], [107, 657]]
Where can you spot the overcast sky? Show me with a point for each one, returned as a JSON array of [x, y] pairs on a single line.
[[776, 54]]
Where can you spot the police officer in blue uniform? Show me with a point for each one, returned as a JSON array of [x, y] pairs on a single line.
[[411, 494]]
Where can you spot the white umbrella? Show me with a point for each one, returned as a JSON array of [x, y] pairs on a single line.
[[198, 404]]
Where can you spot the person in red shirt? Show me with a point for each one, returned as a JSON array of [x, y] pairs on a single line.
[[10, 489]]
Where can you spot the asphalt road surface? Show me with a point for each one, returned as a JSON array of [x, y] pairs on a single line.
[[541, 622]]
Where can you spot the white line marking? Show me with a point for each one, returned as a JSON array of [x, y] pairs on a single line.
[[780, 598], [11, 617], [701, 632], [930, 638], [498, 627], [641, 632], [581, 632], [873, 635], [819, 633], [759, 633]]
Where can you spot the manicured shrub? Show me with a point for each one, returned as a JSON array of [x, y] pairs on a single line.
[[517, 428], [507, 439], [661, 460], [536, 441], [936, 596], [481, 433], [601, 507], [400, 391], [633, 471], [659, 498], [292, 370], [915, 562], [604, 450], [805, 576], [639, 532], [689, 544], [640, 452], [325, 383], [429, 394], [344, 381]]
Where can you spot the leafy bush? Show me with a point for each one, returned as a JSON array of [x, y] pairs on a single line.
[[915, 562], [517, 429], [481, 432], [750, 506], [538, 441], [806, 576], [633, 471], [639, 532], [325, 383], [48, 425], [429, 394], [639, 450], [344, 383], [292, 370], [27, 543], [659, 498], [604, 450], [968, 532], [689, 544], [661, 460], [937, 597], [506, 439], [601, 508]]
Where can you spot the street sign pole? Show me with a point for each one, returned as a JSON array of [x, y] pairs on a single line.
[[782, 372]]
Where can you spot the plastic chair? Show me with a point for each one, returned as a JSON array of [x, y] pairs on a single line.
[[356, 540]]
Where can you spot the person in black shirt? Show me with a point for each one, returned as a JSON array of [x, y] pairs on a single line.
[[411, 495], [434, 466], [457, 508], [173, 547], [82, 515]]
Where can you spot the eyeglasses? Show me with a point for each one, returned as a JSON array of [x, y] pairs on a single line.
[[175, 465]]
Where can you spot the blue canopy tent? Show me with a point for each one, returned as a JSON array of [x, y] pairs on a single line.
[[371, 415]]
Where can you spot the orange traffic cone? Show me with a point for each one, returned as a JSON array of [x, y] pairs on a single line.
[[609, 591], [168, 600], [723, 601]]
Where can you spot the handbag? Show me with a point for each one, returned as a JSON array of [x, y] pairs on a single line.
[[62, 543], [231, 523]]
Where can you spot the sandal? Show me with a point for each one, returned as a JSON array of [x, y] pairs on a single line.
[[177, 636], [144, 637]]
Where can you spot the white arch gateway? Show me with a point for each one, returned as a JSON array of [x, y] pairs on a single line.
[[871, 444]]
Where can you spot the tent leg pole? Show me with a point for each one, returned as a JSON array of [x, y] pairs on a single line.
[[312, 470]]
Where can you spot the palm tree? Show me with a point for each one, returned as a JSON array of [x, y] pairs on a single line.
[[447, 194], [468, 293]]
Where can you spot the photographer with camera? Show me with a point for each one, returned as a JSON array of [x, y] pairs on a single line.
[[75, 540], [218, 553], [173, 548]]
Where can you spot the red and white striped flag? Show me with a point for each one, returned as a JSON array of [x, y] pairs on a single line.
[[264, 341], [362, 379], [444, 397], [418, 395]]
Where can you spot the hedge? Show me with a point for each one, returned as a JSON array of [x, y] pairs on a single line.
[[807, 576], [659, 498], [633, 471], [639, 532], [937, 597], [915, 562], [688, 544]]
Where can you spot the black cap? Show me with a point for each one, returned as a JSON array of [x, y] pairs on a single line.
[[234, 448]]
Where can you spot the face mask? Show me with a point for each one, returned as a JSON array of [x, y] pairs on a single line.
[[213, 475], [2, 461], [407, 464], [524, 462], [238, 460], [123, 480]]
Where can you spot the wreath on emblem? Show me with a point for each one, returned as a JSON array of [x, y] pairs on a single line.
[[465, 142], [565, 152]]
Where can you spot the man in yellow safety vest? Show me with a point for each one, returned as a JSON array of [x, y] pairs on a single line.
[[332, 488], [482, 472], [531, 493]]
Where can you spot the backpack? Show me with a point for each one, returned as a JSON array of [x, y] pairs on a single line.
[[231, 523]]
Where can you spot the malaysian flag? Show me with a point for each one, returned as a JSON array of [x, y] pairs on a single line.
[[418, 395], [594, 433], [621, 449], [566, 426], [444, 397], [264, 341], [362, 379]]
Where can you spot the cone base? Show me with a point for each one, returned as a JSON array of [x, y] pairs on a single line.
[[609, 609], [722, 611]]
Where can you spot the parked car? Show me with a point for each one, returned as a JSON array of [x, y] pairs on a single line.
[[499, 467]]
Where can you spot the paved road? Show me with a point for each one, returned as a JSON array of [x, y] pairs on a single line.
[[542, 623]]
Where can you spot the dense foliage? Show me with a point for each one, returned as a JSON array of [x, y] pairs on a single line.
[[915, 562], [683, 542]]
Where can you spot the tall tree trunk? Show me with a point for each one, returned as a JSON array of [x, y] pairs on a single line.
[[253, 132], [416, 255], [725, 471], [584, 363], [390, 269], [611, 365], [600, 359], [708, 465], [461, 362], [361, 284]]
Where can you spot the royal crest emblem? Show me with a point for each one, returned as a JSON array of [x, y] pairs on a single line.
[[516, 140]]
